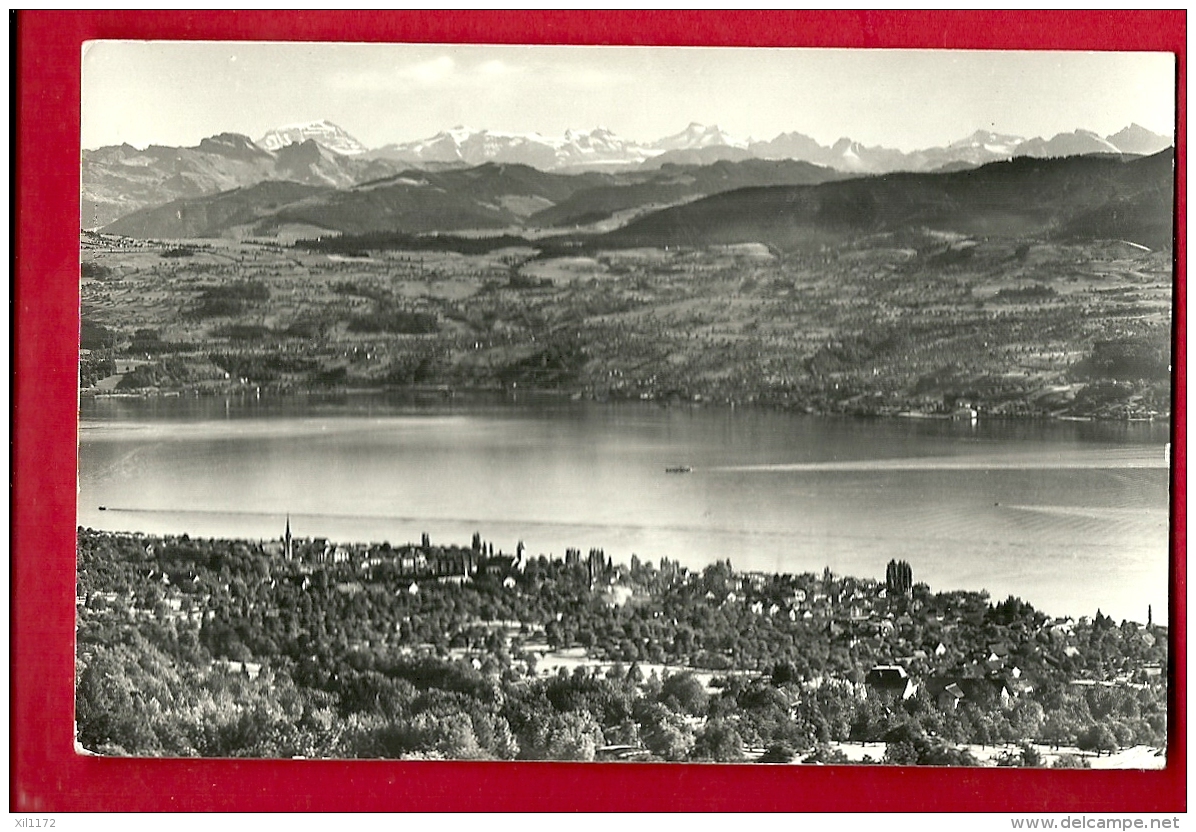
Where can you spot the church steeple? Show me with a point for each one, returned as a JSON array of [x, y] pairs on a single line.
[[287, 550]]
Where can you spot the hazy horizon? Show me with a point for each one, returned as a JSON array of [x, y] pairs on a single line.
[[177, 93]]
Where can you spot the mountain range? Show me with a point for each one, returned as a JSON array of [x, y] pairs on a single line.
[[703, 144], [120, 180], [787, 205]]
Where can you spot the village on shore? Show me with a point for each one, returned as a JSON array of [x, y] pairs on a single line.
[[425, 650]]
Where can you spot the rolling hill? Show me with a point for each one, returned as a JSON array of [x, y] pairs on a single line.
[[677, 183], [1087, 196], [214, 214], [484, 197], [414, 201], [1109, 196], [487, 196]]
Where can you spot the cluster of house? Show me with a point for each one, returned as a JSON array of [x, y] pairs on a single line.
[[855, 607], [992, 676], [854, 610], [451, 564], [448, 565], [174, 604], [893, 683]]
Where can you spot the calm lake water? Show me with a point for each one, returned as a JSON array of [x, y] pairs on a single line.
[[1070, 516]]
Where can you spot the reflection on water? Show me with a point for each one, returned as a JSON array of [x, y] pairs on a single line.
[[1071, 516]]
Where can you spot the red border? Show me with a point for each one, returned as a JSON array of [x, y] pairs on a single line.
[[46, 773]]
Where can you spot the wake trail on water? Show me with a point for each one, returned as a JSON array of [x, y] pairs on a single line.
[[1148, 513], [1132, 459]]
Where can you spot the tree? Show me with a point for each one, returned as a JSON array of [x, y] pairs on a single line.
[[784, 673], [451, 735], [1098, 737], [779, 752], [1027, 719], [1058, 729], [652, 685], [1071, 761], [573, 736], [1123, 732], [899, 578], [901, 753], [718, 741], [684, 692], [667, 740], [826, 755]]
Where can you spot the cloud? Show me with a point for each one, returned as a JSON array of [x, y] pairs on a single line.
[[430, 72], [443, 72], [434, 72], [586, 78], [362, 80], [492, 68]]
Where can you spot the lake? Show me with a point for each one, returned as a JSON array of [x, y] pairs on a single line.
[[1069, 516]]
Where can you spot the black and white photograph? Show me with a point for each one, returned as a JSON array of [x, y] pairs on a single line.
[[625, 404]]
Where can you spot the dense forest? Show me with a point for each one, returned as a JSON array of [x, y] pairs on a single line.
[[191, 647]]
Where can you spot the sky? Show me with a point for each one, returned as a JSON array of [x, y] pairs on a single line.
[[176, 93]]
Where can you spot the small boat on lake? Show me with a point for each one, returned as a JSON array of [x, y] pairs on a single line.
[[678, 469]]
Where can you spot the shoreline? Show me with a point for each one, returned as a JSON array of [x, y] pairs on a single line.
[[510, 396], [370, 549]]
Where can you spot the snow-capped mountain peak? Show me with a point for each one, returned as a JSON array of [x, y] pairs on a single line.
[[599, 147], [325, 133], [998, 144], [1137, 139], [698, 135]]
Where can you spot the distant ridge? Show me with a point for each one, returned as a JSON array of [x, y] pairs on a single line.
[[1111, 197], [704, 144]]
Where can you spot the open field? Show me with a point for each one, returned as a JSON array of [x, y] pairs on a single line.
[[882, 327], [1137, 757]]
